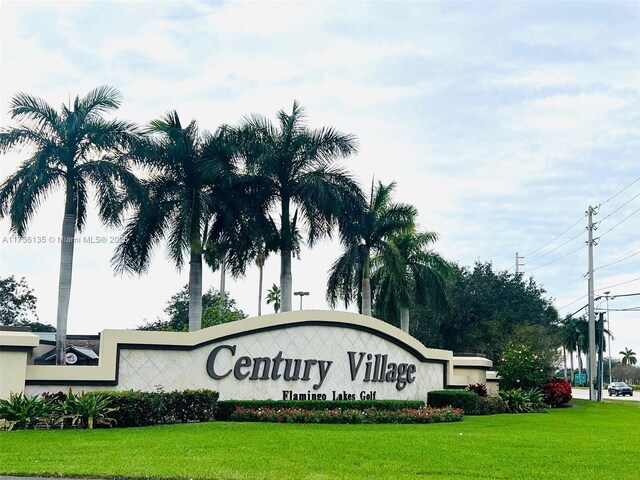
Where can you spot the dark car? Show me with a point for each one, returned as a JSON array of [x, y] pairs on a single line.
[[620, 388]]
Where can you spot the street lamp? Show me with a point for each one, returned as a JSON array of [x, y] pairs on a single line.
[[301, 294]]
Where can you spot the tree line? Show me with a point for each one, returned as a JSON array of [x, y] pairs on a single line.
[[226, 198]]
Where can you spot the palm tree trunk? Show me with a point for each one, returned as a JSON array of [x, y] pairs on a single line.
[[404, 320], [572, 372], [366, 289], [579, 361], [564, 356], [285, 280], [223, 271], [260, 289], [195, 292], [64, 282], [286, 240]]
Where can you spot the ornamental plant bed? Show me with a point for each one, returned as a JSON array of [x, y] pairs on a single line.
[[369, 415]]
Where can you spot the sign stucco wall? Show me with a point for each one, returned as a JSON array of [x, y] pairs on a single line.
[[322, 354]]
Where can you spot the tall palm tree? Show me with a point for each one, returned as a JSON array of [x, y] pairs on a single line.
[[410, 273], [193, 196], [350, 275], [628, 357], [75, 149], [297, 168], [569, 340]]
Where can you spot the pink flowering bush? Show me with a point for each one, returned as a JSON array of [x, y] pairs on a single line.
[[370, 415]]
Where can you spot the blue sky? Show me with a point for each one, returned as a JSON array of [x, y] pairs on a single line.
[[500, 122]]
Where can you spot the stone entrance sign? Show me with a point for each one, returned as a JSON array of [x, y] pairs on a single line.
[[292, 356]]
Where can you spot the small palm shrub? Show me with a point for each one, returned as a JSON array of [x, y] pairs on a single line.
[[88, 409], [556, 392], [479, 388], [523, 401], [20, 411]]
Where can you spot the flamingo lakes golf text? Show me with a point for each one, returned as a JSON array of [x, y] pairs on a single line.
[[368, 367]]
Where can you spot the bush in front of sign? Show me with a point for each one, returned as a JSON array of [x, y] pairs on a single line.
[[225, 408], [350, 416], [467, 401], [138, 409]]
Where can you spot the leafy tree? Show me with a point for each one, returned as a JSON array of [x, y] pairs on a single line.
[[350, 275], [72, 149], [217, 309], [193, 196], [626, 373], [18, 306], [485, 309], [273, 296], [410, 273], [628, 357], [297, 167]]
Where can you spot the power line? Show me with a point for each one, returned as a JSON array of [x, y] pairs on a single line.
[[621, 221], [624, 204], [611, 198], [559, 258], [582, 277], [551, 251], [618, 284], [556, 237], [618, 261]]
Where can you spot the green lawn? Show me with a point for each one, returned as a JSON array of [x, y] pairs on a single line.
[[584, 442]]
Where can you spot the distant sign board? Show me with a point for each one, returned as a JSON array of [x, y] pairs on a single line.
[[581, 378]]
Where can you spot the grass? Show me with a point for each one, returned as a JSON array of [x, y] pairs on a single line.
[[584, 442]]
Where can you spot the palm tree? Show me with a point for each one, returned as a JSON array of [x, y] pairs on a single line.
[[409, 274], [628, 357], [297, 168], [273, 296], [569, 340], [73, 149], [350, 275], [193, 196]]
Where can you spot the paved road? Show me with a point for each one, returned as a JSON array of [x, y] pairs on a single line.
[[583, 393]]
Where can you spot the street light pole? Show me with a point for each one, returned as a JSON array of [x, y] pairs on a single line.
[[606, 295], [301, 294]]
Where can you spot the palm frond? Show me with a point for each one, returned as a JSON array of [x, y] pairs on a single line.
[[27, 107], [100, 100]]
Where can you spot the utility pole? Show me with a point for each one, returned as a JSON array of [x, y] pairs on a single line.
[[592, 320], [518, 258]]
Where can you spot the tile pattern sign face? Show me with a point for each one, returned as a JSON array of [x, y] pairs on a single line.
[[292, 363]]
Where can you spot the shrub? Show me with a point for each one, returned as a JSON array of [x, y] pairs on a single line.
[[467, 401], [370, 415], [225, 408], [136, 409], [20, 411], [491, 406], [519, 367], [88, 409], [479, 388], [556, 392], [523, 401]]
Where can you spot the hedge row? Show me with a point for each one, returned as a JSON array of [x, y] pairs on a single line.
[[467, 401], [370, 415], [227, 407], [137, 409]]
